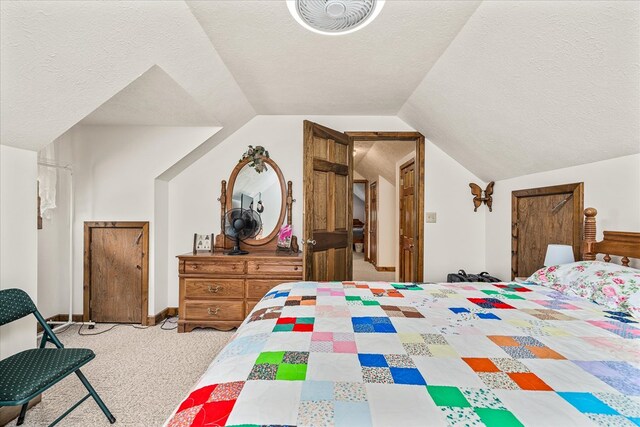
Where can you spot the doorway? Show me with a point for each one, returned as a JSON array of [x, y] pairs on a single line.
[[328, 172], [390, 161], [116, 272]]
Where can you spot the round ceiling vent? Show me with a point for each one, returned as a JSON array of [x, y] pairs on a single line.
[[334, 17]]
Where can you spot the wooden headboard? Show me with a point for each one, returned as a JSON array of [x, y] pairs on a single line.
[[618, 243]]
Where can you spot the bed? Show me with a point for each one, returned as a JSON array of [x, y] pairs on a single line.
[[358, 231], [391, 354]]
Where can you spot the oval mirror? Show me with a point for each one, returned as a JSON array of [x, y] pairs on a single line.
[[263, 192]]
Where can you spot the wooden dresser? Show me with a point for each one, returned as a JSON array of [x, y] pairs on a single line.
[[219, 291]]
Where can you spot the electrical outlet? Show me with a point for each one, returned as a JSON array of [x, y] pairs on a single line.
[[430, 217]]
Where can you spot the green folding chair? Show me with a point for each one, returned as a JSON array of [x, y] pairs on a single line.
[[27, 374]]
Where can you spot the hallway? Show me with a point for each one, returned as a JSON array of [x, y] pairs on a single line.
[[365, 271]]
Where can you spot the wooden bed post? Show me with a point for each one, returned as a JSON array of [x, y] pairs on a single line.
[[588, 252]]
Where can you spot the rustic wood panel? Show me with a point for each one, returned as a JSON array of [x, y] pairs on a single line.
[[543, 216], [326, 166], [116, 269], [320, 196], [320, 266], [320, 149], [328, 175], [341, 194]]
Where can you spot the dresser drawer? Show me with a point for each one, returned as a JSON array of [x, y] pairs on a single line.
[[217, 266], [285, 267], [250, 305], [213, 288], [256, 289], [214, 310]]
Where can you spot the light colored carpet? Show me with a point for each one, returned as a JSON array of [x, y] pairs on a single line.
[[365, 271], [141, 374]]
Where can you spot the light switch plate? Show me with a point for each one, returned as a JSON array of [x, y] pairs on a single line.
[[430, 217]]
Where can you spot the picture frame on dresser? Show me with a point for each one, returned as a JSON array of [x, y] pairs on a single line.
[[219, 291]]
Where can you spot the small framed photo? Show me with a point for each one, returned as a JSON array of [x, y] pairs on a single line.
[[284, 238], [203, 243]]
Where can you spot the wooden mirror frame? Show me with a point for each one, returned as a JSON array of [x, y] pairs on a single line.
[[270, 241]]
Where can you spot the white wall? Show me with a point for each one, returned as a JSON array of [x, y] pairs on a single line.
[[457, 239], [115, 170], [387, 240], [192, 194], [18, 241], [611, 186]]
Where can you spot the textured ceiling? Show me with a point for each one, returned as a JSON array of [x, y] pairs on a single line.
[[285, 69], [534, 86], [506, 88], [373, 158], [62, 60], [152, 99]]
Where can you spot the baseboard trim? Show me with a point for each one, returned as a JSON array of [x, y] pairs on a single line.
[[164, 314], [9, 413], [389, 269]]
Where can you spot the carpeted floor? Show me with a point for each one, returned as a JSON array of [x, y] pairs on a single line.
[[363, 270], [141, 374]]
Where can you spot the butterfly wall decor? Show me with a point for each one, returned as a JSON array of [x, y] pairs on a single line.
[[478, 200]]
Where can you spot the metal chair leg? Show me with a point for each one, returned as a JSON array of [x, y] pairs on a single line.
[[23, 412], [95, 396]]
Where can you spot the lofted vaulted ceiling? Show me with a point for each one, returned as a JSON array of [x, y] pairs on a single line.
[[374, 158], [154, 98], [285, 69], [504, 87]]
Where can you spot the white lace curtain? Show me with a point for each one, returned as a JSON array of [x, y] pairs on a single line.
[[47, 179]]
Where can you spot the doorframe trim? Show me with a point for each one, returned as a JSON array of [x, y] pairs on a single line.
[[577, 188], [86, 289], [366, 215], [419, 140]]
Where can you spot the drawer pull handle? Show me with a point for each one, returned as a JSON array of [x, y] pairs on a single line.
[[295, 268], [215, 290], [214, 312], [195, 266]]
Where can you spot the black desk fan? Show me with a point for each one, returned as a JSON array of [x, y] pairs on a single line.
[[241, 224]]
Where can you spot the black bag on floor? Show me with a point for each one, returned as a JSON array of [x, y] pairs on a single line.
[[462, 276], [486, 277]]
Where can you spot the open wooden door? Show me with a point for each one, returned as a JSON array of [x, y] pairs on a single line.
[[328, 203]]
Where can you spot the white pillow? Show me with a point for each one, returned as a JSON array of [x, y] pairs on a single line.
[[611, 285]]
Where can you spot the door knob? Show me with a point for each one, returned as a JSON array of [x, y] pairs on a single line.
[[311, 242]]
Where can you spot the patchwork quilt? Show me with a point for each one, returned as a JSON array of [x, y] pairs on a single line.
[[387, 354]]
